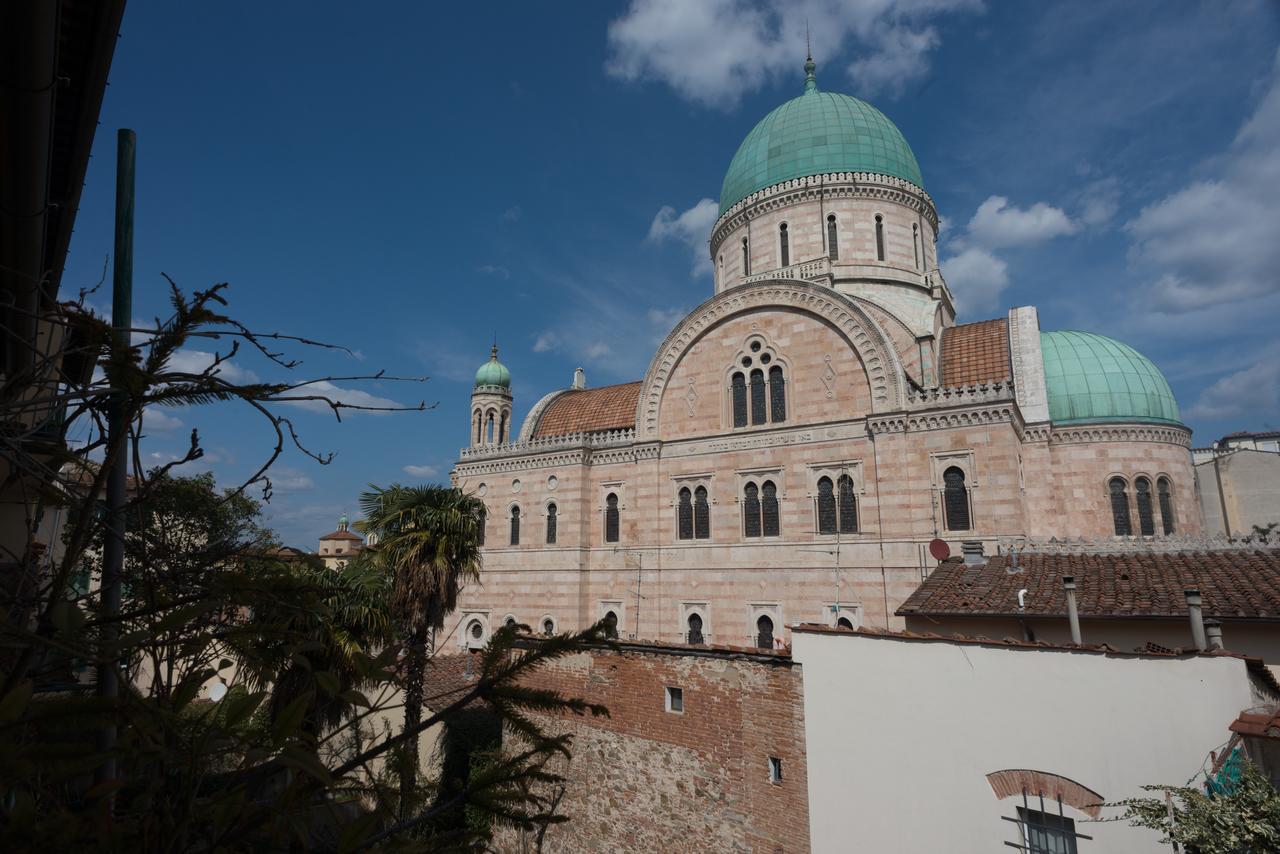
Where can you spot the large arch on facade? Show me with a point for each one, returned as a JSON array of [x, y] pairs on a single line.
[[863, 335]]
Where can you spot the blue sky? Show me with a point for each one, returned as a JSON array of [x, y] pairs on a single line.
[[411, 180]]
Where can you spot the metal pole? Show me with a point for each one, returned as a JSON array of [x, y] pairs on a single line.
[[1069, 585], [117, 444]]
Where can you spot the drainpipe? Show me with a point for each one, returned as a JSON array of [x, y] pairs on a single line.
[[1069, 585], [1213, 629], [1194, 603]]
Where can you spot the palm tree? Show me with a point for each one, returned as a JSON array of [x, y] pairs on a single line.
[[428, 537]]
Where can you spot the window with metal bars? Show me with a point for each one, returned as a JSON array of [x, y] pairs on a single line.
[[784, 245], [739, 386], [611, 518], [684, 513], [1165, 494], [551, 523], [777, 395], [1146, 512], [826, 506], [758, 408], [955, 499], [695, 630], [751, 510], [833, 245], [1120, 507], [701, 514], [879, 237], [515, 526], [848, 506], [769, 508]]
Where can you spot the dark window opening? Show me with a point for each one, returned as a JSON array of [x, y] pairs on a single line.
[[515, 526], [758, 408], [915, 243], [769, 508], [611, 625], [701, 514], [826, 506], [775, 769], [551, 523], [777, 395], [611, 518], [476, 630], [1146, 516], [955, 500], [510, 622], [848, 506], [1120, 507], [1166, 504], [833, 246], [695, 630], [502, 428], [739, 386], [685, 514], [764, 632], [751, 510], [1046, 833], [746, 259], [879, 237], [480, 525], [548, 627], [675, 700], [784, 244], [844, 623]]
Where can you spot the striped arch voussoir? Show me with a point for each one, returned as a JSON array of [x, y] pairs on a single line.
[[1012, 782]]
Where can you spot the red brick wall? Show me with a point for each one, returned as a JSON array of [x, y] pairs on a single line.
[[645, 779]]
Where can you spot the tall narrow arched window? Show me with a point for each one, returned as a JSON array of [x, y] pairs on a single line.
[[720, 270], [548, 627], [879, 237], [769, 508], [764, 632], [701, 514], [955, 499], [777, 395], [552, 515], [833, 244], [1120, 507], [611, 518], [1165, 492], [611, 625], [488, 429], [480, 525], [479, 424], [502, 428], [751, 510], [1146, 514], [684, 513], [746, 258], [695, 630], [848, 506], [515, 526], [784, 245], [826, 506], [759, 410], [915, 242], [739, 386]]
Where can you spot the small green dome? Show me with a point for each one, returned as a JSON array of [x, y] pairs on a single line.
[[818, 132], [1091, 378], [493, 372]]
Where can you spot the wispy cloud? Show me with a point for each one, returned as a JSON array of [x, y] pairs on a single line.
[[494, 270], [1252, 390], [691, 227], [512, 214], [423, 471], [338, 394], [546, 342], [199, 361]]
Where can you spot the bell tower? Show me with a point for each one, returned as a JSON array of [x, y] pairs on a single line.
[[491, 403]]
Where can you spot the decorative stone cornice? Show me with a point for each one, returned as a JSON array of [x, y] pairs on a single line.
[[1083, 433], [603, 439], [933, 398], [946, 420], [864, 335], [527, 463], [1138, 545]]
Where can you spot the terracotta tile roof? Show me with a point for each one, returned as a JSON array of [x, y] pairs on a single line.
[[341, 535], [975, 353], [590, 410], [1233, 584], [1257, 725]]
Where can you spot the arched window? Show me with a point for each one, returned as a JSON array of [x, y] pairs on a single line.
[[1120, 507], [746, 259], [515, 526], [848, 506], [720, 270], [1165, 492], [695, 630], [611, 625], [826, 506], [739, 385], [955, 499], [502, 428], [701, 514], [784, 245], [769, 508], [488, 429], [915, 242], [1146, 514], [684, 515], [479, 424], [844, 623], [764, 632], [751, 510], [833, 245], [480, 525], [611, 518], [548, 627], [758, 408], [551, 523], [510, 622], [879, 237], [777, 395], [475, 630]]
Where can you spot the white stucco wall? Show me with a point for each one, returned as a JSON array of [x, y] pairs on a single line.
[[902, 733]]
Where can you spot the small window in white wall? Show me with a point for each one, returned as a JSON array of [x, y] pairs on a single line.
[[775, 770], [675, 700]]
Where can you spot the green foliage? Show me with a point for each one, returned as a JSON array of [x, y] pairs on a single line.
[[1245, 820]]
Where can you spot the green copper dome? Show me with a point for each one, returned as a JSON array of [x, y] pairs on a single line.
[[1091, 378], [493, 372], [818, 132]]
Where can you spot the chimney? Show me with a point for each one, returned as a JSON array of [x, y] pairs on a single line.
[[973, 555], [579, 378], [1213, 629], [1069, 585], [1197, 617]]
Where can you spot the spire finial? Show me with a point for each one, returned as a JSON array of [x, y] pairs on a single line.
[[810, 80], [808, 53], [493, 354]]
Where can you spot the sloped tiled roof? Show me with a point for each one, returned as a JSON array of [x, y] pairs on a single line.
[[590, 410], [975, 353], [1233, 585], [341, 535]]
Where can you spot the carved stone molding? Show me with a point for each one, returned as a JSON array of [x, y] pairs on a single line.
[[1121, 433], [1139, 545]]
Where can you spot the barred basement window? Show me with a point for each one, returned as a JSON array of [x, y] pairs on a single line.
[[784, 245], [833, 246], [746, 259], [879, 237], [777, 395], [764, 632], [1166, 504], [751, 510], [769, 508], [955, 500], [695, 630], [685, 514], [1146, 516], [826, 506], [848, 506], [701, 514], [611, 518], [1120, 507], [611, 625], [551, 523], [758, 410], [515, 526], [739, 385]]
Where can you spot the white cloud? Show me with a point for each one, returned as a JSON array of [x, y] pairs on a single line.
[[1251, 391], [691, 227], [156, 420], [422, 471], [512, 214], [1099, 201], [596, 350], [998, 225], [350, 396], [1214, 240], [977, 278], [713, 51], [546, 342], [494, 270], [286, 479], [198, 361], [665, 318]]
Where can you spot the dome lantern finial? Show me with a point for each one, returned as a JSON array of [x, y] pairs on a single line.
[[810, 79]]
